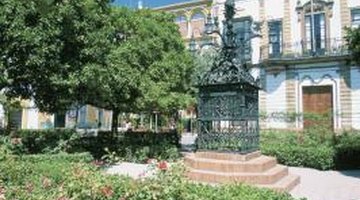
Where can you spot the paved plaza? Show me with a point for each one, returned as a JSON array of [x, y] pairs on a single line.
[[314, 184]]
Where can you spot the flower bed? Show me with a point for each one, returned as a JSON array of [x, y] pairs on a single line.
[[64, 180]]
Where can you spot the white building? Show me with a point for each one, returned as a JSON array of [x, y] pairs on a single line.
[[302, 56]]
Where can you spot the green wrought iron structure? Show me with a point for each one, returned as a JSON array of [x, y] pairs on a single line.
[[228, 95]]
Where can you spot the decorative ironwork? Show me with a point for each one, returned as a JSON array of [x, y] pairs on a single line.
[[228, 95]]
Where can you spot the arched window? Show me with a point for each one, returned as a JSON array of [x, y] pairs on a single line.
[[198, 16], [180, 19], [197, 23], [315, 22]]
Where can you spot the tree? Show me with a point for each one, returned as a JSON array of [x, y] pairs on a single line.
[[148, 67], [353, 39], [45, 44]]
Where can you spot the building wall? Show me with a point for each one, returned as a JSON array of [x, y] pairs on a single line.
[[275, 100], [323, 74], [353, 3], [355, 87]]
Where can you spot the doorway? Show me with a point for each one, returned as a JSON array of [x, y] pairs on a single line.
[[318, 106]]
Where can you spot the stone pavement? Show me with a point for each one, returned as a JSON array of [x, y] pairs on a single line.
[[129, 169], [327, 185], [314, 184]]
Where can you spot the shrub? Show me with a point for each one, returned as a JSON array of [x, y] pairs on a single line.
[[132, 146], [44, 141], [347, 148], [79, 181], [289, 151]]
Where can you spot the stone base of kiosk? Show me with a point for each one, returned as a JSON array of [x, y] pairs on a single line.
[[252, 168]]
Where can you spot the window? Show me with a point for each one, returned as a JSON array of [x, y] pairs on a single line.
[[60, 119], [82, 116], [242, 28], [355, 18], [275, 38], [180, 19], [198, 16], [315, 31]]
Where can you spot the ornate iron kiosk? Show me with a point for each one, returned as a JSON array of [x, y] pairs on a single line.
[[228, 95]]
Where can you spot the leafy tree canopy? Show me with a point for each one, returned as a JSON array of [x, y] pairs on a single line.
[[353, 38], [148, 67], [45, 44]]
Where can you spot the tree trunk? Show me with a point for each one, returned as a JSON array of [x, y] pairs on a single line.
[[115, 121], [151, 121], [156, 123]]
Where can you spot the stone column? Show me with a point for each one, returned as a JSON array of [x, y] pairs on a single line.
[[264, 55], [287, 27], [291, 96], [264, 44], [344, 16], [345, 96]]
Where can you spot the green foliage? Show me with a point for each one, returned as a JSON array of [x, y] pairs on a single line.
[[353, 39], [310, 149], [58, 179], [347, 147], [147, 66], [135, 147], [46, 141], [46, 44], [110, 156], [289, 151]]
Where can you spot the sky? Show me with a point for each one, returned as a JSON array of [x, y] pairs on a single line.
[[147, 3]]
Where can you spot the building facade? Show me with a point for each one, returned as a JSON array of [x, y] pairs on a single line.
[[301, 59], [29, 117]]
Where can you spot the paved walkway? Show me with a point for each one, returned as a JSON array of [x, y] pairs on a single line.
[[315, 184], [130, 169], [327, 185]]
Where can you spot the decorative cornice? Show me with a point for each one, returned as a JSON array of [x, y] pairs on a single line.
[[179, 6]]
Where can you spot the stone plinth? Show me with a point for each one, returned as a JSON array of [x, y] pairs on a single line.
[[252, 168]]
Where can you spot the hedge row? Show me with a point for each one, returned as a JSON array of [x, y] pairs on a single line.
[[337, 152], [131, 146]]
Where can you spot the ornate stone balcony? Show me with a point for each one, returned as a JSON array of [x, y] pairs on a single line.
[[327, 49]]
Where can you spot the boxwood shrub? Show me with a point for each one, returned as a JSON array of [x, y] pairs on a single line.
[[309, 150], [347, 147], [131, 146]]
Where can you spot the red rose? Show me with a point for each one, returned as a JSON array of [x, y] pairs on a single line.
[[107, 191], [162, 165]]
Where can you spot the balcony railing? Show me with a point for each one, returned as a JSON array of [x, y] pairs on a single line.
[[304, 49]]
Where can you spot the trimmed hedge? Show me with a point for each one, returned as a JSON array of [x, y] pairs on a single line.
[[43, 141], [63, 157], [133, 146], [130, 146], [337, 152], [347, 147]]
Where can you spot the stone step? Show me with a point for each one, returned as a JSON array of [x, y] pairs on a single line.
[[286, 184], [259, 164], [268, 177], [228, 156]]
